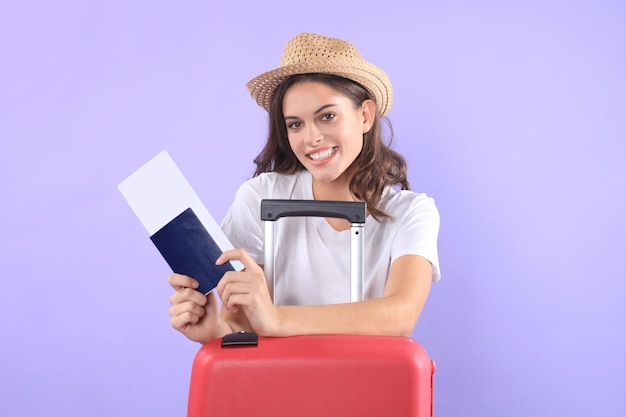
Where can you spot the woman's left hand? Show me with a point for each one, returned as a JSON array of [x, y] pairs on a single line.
[[247, 290]]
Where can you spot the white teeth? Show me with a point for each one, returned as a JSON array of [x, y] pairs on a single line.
[[322, 155]]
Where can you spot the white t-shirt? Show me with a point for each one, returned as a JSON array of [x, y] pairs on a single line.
[[312, 258]]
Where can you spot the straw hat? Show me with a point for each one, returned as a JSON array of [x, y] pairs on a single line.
[[311, 53]]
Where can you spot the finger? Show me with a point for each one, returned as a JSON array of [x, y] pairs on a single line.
[[237, 282], [235, 301], [178, 281], [187, 309], [235, 288], [237, 254], [187, 294], [183, 321]]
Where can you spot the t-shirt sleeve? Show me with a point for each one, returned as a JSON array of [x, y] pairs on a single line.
[[417, 233], [242, 223]]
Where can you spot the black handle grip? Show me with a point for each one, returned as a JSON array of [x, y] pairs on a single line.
[[353, 211]]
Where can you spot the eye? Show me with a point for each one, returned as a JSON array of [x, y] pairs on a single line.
[[294, 125], [328, 116]]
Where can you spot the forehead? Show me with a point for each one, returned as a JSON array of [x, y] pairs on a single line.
[[308, 96]]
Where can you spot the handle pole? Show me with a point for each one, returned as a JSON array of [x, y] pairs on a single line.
[[356, 262], [268, 267]]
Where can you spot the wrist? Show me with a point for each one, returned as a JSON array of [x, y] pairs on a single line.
[[221, 329], [283, 322]]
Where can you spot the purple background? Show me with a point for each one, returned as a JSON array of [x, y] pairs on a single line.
[[511, 114]]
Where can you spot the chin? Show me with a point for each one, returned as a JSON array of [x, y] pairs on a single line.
[[325, 177]]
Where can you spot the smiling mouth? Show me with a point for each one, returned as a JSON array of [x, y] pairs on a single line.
[[320, 156]]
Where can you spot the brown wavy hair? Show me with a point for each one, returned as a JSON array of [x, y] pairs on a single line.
[[377, 166]]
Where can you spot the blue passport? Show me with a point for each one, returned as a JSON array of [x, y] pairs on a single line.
[[190, 250]]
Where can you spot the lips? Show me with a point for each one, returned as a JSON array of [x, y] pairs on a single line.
[[322, 155]]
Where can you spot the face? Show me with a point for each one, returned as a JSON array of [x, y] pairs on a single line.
[[325, 130]]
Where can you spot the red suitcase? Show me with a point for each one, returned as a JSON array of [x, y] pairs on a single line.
[[312, 375]]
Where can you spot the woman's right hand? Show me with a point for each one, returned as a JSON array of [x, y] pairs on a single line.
[[194, 314]]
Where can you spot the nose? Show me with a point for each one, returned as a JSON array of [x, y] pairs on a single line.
[[313, 135]]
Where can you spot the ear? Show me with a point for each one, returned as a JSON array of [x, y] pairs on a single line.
[[368, 111]]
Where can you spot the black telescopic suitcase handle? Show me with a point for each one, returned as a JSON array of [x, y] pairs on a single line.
[[353, 211]]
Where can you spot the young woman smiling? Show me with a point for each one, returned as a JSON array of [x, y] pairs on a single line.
[[325, 142]]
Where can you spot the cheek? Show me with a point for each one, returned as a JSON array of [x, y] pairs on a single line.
[[296, 146], [355, 139]]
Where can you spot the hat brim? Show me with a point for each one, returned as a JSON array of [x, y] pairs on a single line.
[[371, 77]]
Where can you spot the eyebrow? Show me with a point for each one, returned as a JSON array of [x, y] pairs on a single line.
[[321, 109]]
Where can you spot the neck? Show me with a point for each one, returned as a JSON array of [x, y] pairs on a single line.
[[337, 190], [334, 191]]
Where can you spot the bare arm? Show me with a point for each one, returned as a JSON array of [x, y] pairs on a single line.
[[395, 313]]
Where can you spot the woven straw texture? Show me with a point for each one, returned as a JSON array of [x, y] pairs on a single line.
[[311, 53]]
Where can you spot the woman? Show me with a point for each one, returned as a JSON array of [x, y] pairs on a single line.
[[325, 142]]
